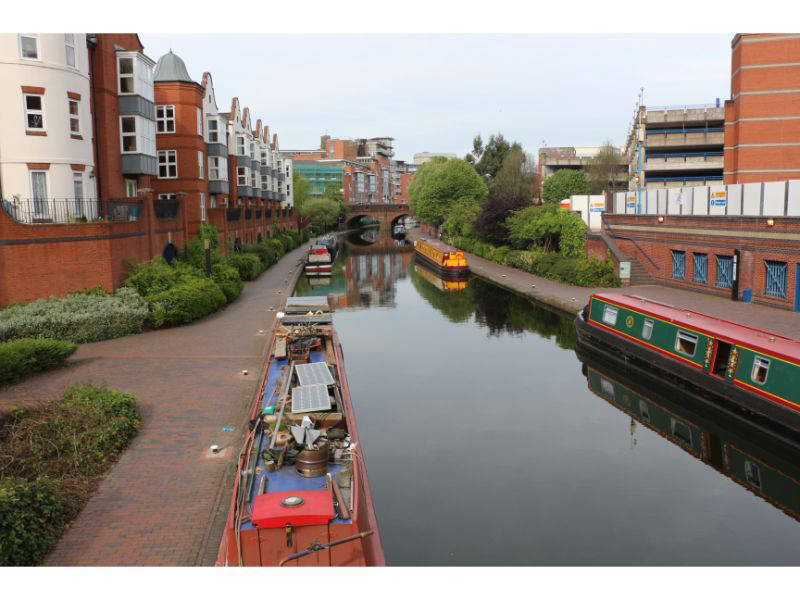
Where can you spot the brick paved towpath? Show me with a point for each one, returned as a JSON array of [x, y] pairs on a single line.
[[165, 501], [571, 298]]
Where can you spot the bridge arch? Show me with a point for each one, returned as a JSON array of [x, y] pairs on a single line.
[[386, 214]]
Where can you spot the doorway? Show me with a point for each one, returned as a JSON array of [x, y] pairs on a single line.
[[721, 359]]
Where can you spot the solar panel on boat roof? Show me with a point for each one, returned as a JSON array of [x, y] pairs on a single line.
[[310, 398], [314, 373], [306, 300]]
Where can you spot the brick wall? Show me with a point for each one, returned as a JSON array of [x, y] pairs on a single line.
[[647, 239]]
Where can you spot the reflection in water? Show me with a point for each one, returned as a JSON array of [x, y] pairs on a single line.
[[764, 464], [445, 285], [485, 447]]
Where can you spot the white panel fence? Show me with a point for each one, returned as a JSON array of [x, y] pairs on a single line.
[[769, 199]]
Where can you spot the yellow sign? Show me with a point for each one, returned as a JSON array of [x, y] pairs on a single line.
[[629, 321]]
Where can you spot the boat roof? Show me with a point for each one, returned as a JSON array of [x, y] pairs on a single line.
[[439, 245], [769, 343]]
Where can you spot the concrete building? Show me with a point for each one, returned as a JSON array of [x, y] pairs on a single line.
[[420, 158], [675, 146], [552, 159], [47, 167], [762, 118]]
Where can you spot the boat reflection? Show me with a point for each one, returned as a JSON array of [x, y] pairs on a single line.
[[446, 285], [765, 462]]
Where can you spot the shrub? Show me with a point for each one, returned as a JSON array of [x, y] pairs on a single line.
[[227, 279], [248, 265], [77, 317], [22, 357], [265, 251], [187, 301], [53, 455], [31, 519], [491, 220]]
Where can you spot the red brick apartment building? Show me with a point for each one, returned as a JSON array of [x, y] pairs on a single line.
[[133, 163], [740, 238]]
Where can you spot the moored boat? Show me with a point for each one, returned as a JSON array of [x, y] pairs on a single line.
[[321, 256], [447, 261], [399, 232], [301, 496], [756, 370]]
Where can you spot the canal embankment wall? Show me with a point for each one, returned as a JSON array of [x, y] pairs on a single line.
[[570, 299]]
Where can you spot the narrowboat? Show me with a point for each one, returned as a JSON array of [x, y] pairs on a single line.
[[399, 232], [756, 370], [757, 459], [445, 285], [321, 256], [447, 261], [301, 496]]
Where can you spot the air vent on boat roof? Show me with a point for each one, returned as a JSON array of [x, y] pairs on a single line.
[[310, 398], [314, 373]]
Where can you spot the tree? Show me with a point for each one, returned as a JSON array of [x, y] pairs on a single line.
[[477, 150], [322, 213], [493, 155], [602, 170], [515, 178], [442, 186], [333, 191], [490, 223], [562, 184], [302, 190]]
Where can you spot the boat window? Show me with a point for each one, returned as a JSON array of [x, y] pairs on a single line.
[[644, 410], [752, 473], [647, 329], [760, 369], [681, 431], [610, 315], [607, 387], [686, 343]]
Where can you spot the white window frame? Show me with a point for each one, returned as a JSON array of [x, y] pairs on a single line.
[[168, 196], [253, 181], [203, 216], [77, 177], [76, 117], [35, 38], [647, 329], [199, 121], [241, 144], [123, 135], [689, 337], [29, 111], [44, 203], [644, 410], [758, 362], [213, 168], [121, 75], [69, 44], [213, 130], [241, 176], [200, 170], [131, 185], [164, 119], [610, 315], [170, 160]]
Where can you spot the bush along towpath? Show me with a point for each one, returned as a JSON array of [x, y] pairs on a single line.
[[163, 502]]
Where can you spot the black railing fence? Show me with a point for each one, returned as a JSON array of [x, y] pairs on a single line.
[[33, 211], [166, 209]]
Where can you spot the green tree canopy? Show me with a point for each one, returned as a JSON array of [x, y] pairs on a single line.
[[302, 190], [562, 184], [442, 186], [548, 227], [489, 159], [515, 179], [322, 213]]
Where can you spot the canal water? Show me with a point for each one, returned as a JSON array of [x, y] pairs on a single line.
[[490, 441]]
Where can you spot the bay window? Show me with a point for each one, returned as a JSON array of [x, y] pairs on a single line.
[[213, 131], [135, 74], [241, 176], [128, 129], [165, 118], [240, 145], [29, 46], [69, 48]]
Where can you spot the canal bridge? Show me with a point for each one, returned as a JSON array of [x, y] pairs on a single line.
[[385, 214]]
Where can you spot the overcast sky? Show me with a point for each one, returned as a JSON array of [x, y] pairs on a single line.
[[435, 92]]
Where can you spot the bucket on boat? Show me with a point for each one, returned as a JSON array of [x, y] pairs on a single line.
[[312, 463]]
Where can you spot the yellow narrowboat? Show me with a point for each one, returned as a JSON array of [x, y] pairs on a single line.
[[447, 261]]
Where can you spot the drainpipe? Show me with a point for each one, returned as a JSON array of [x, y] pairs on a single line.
[[91, 42]]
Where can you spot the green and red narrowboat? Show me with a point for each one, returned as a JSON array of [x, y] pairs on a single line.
[[756, 370]]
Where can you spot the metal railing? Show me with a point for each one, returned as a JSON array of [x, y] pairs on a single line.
[[34, 211], [685, 107], [684, 130], [682, 154], [166, 209]]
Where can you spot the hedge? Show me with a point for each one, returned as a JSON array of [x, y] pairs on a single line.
[[248, 265], [185, 302], [80, 317], [19, 358], [53, 457], [227, 279], [581, 271]]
